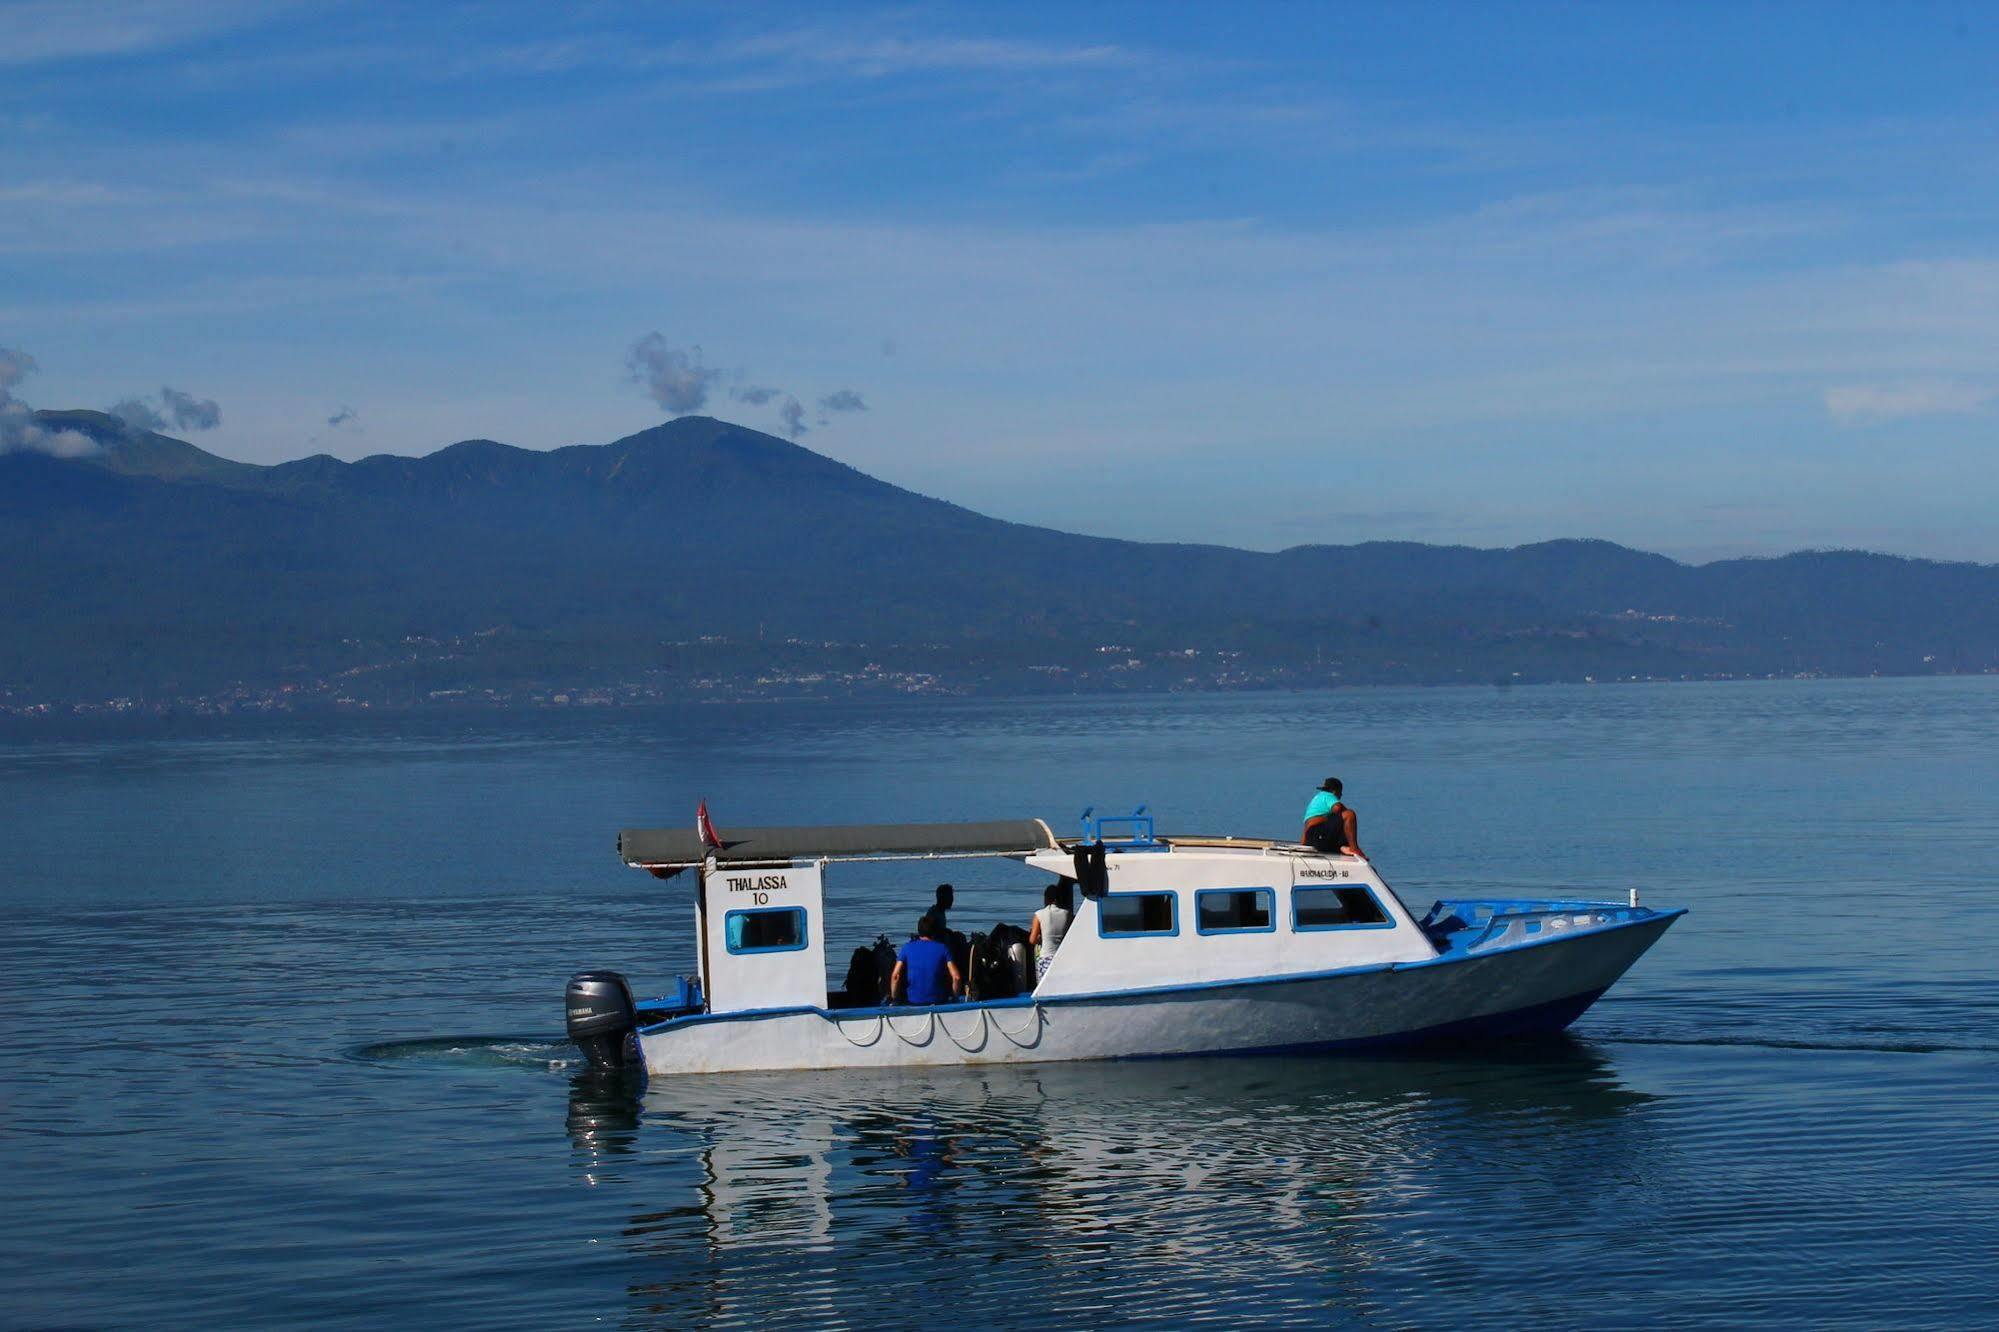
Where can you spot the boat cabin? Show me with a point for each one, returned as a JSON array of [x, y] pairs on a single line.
[[1150, 911]]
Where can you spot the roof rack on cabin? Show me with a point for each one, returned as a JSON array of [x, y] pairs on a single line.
[[1138, 837]]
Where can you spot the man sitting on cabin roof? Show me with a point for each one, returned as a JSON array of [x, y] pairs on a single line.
[[1330, 824], [927, 966]]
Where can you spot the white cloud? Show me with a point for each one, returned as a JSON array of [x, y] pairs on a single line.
[[39, 31], [780, 58], [1860, 404], [673, 377], [883, 56], [792, 413], [19, 430]]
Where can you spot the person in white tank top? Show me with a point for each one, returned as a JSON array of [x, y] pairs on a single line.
[[1051, 923]]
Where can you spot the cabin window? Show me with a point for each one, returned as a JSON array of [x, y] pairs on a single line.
[[1137, 913], [1234, 910], [771, 930], [1334, 908]]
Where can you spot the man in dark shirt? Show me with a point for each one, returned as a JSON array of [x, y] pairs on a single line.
[[940, 911], [927, 966]]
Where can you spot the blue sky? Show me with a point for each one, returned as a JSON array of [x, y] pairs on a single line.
[[1703, 279]]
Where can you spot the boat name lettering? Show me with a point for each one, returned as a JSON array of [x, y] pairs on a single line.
[[755, 883], [1325, 874]]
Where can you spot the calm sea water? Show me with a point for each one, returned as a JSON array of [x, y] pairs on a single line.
[[281, 1027]]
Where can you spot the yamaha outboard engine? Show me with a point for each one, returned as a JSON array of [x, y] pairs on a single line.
[[601, 1016]]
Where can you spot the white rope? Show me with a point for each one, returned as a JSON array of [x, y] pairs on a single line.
[[1034, 1020], [879, 1021], [978, 1043], [928, 1035]]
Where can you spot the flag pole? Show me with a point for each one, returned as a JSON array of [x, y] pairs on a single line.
[[709, 843]]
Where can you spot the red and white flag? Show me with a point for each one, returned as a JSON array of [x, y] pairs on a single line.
[[705, 828]]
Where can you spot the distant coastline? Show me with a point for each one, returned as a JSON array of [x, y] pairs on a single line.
[[702, 560], [117, 715]]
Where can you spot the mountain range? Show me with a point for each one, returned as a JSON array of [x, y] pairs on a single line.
[[701, 557]]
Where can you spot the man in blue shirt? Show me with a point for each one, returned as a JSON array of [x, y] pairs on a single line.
[[926, 964]]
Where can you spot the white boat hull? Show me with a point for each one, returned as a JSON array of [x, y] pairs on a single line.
[[1537, 986]]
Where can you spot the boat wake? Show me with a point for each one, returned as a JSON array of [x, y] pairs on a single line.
[[551, 1054], [1784, 1043]]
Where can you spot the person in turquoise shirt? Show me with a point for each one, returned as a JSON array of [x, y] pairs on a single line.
[[1330, 825]]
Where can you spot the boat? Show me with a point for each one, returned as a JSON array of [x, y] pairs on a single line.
[[1179, 946]]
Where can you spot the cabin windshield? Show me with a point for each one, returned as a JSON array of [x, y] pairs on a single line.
[[1334, 908]]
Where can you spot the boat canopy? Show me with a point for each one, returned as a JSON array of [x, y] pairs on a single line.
[[681, 848]]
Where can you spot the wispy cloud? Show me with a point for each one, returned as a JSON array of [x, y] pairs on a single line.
[[792, 414], [172, 409], [19, 430], [1862, 404], [673, 377], [42, 31], [189, 412], [825, 52], [678, 379], [138, 414], [883, 56]]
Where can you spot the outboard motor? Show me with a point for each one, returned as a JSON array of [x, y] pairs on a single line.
[[601, 1015]]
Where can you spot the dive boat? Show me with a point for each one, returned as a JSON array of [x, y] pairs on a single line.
[[1178, 946]]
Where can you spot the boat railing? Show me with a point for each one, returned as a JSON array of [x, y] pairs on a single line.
[[1506, 924], [1121, 832]]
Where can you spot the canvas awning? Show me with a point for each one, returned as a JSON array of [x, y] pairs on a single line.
[[679, 848]]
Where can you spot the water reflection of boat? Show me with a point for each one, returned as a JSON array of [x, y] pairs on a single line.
[[1179, 946], [788, 1194], [604, 1111]]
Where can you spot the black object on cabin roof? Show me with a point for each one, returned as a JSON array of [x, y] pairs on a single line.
[[661, 848]]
